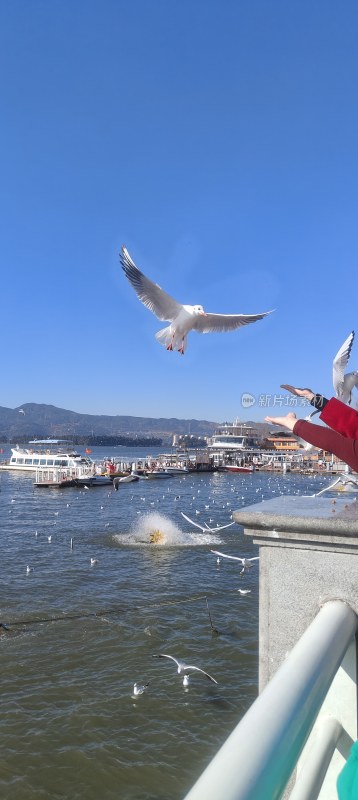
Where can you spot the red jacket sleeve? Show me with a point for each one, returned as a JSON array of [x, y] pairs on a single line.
[[341, 418], [344, 448]]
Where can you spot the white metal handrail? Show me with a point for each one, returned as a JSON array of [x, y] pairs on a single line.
[[258, 758], [309, 782]]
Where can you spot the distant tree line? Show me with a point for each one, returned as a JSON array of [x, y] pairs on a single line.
[[95, 441], [127, 441]]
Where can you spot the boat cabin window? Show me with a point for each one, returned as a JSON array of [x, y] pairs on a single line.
[[28, 460], [36, 461], [16, 460], [230, 439]]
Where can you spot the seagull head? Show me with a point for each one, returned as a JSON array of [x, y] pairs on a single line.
[[198, 310]]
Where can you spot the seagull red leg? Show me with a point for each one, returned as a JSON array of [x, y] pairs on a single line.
[[170, 346], [181, 349]]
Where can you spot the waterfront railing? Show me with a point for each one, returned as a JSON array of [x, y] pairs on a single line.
[[257, 760], [296, 737]]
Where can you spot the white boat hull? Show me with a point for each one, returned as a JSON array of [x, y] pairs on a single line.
[[158, 474], [94, 480], [125, 479]]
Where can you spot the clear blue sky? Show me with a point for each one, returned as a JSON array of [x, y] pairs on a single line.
[[217, 139]]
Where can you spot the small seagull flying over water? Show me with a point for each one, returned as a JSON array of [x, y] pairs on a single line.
[[205, 528], [139, 688], [344, 383], [182, 318], [185, 669], [246, 562]]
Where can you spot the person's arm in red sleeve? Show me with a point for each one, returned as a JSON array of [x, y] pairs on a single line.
[[326, 439], [341, 418]]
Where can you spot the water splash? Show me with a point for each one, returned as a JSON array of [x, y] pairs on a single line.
[[157, 530]]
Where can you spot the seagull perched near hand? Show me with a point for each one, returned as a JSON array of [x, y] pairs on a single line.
[[182, 318], [344, 384], [185, 669], [246, 562]]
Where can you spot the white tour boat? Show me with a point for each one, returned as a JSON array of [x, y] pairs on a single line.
[[233, 436], [44, 454]]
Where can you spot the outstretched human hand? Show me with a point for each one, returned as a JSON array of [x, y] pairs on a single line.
[[289, 421], [307, 393]]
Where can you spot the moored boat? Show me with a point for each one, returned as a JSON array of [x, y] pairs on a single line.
[[237, 468], [176, 470], [93, 480], [125, 479], [46, 454], [158, 473]]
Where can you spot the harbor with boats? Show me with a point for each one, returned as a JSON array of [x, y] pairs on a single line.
[[234, 448]]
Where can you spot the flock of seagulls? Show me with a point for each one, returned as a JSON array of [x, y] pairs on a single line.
[[186, 670], [204, 527], [182, 318]]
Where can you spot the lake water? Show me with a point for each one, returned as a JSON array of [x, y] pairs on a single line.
[[80, 635]]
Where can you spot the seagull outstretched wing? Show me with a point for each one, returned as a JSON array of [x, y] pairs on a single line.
[[206, 528], [340, 362], [235, 558], [219, 323], [151, 294], [185, 669]]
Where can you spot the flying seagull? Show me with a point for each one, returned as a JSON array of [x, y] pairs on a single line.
[[344, 383], [185, 669], [246, 562], [205, 528], [182, 318], [139, 688]]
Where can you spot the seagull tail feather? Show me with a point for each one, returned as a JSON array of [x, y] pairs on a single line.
[[165, 336]]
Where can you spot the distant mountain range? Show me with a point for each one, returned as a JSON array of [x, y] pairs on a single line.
[[42, 421], [37, 420]]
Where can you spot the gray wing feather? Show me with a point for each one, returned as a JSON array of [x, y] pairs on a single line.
[[340, 362], [197, 669], [151, 294], [201, 527], [219, 323]]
